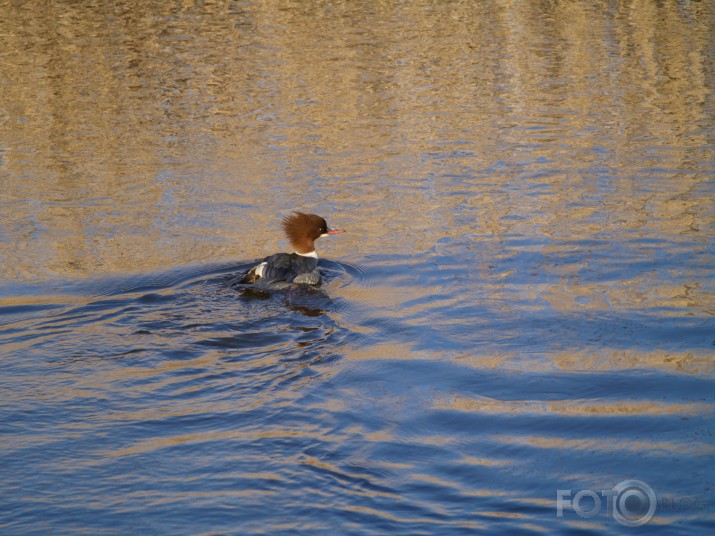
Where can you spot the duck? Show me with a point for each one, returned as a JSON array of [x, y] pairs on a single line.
[[301, 266]]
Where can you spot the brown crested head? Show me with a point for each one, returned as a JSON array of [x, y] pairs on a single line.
[[303, 229]]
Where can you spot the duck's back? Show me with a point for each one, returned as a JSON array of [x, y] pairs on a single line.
[[288, 267]]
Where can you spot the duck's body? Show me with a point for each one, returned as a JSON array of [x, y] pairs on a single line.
[[300, 267], [288, 267]]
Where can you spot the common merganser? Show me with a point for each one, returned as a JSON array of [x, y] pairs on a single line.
[[302, 231]]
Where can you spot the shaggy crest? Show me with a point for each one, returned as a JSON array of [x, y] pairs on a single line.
[[302, 230]]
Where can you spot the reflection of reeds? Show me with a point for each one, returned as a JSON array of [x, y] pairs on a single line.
[[149, 135]]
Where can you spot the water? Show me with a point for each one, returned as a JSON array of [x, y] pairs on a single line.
[[523, 302]]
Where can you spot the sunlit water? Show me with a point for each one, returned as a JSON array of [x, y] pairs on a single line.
[[523, 302]]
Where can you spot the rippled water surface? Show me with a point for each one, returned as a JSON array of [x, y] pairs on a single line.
[[523, 302]]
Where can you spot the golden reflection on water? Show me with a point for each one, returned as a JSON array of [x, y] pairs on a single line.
[[524, 185], [657, 449], [142, 135], [574, 408]]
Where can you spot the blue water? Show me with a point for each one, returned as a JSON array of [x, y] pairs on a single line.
[[173, 403], [521, 308]]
